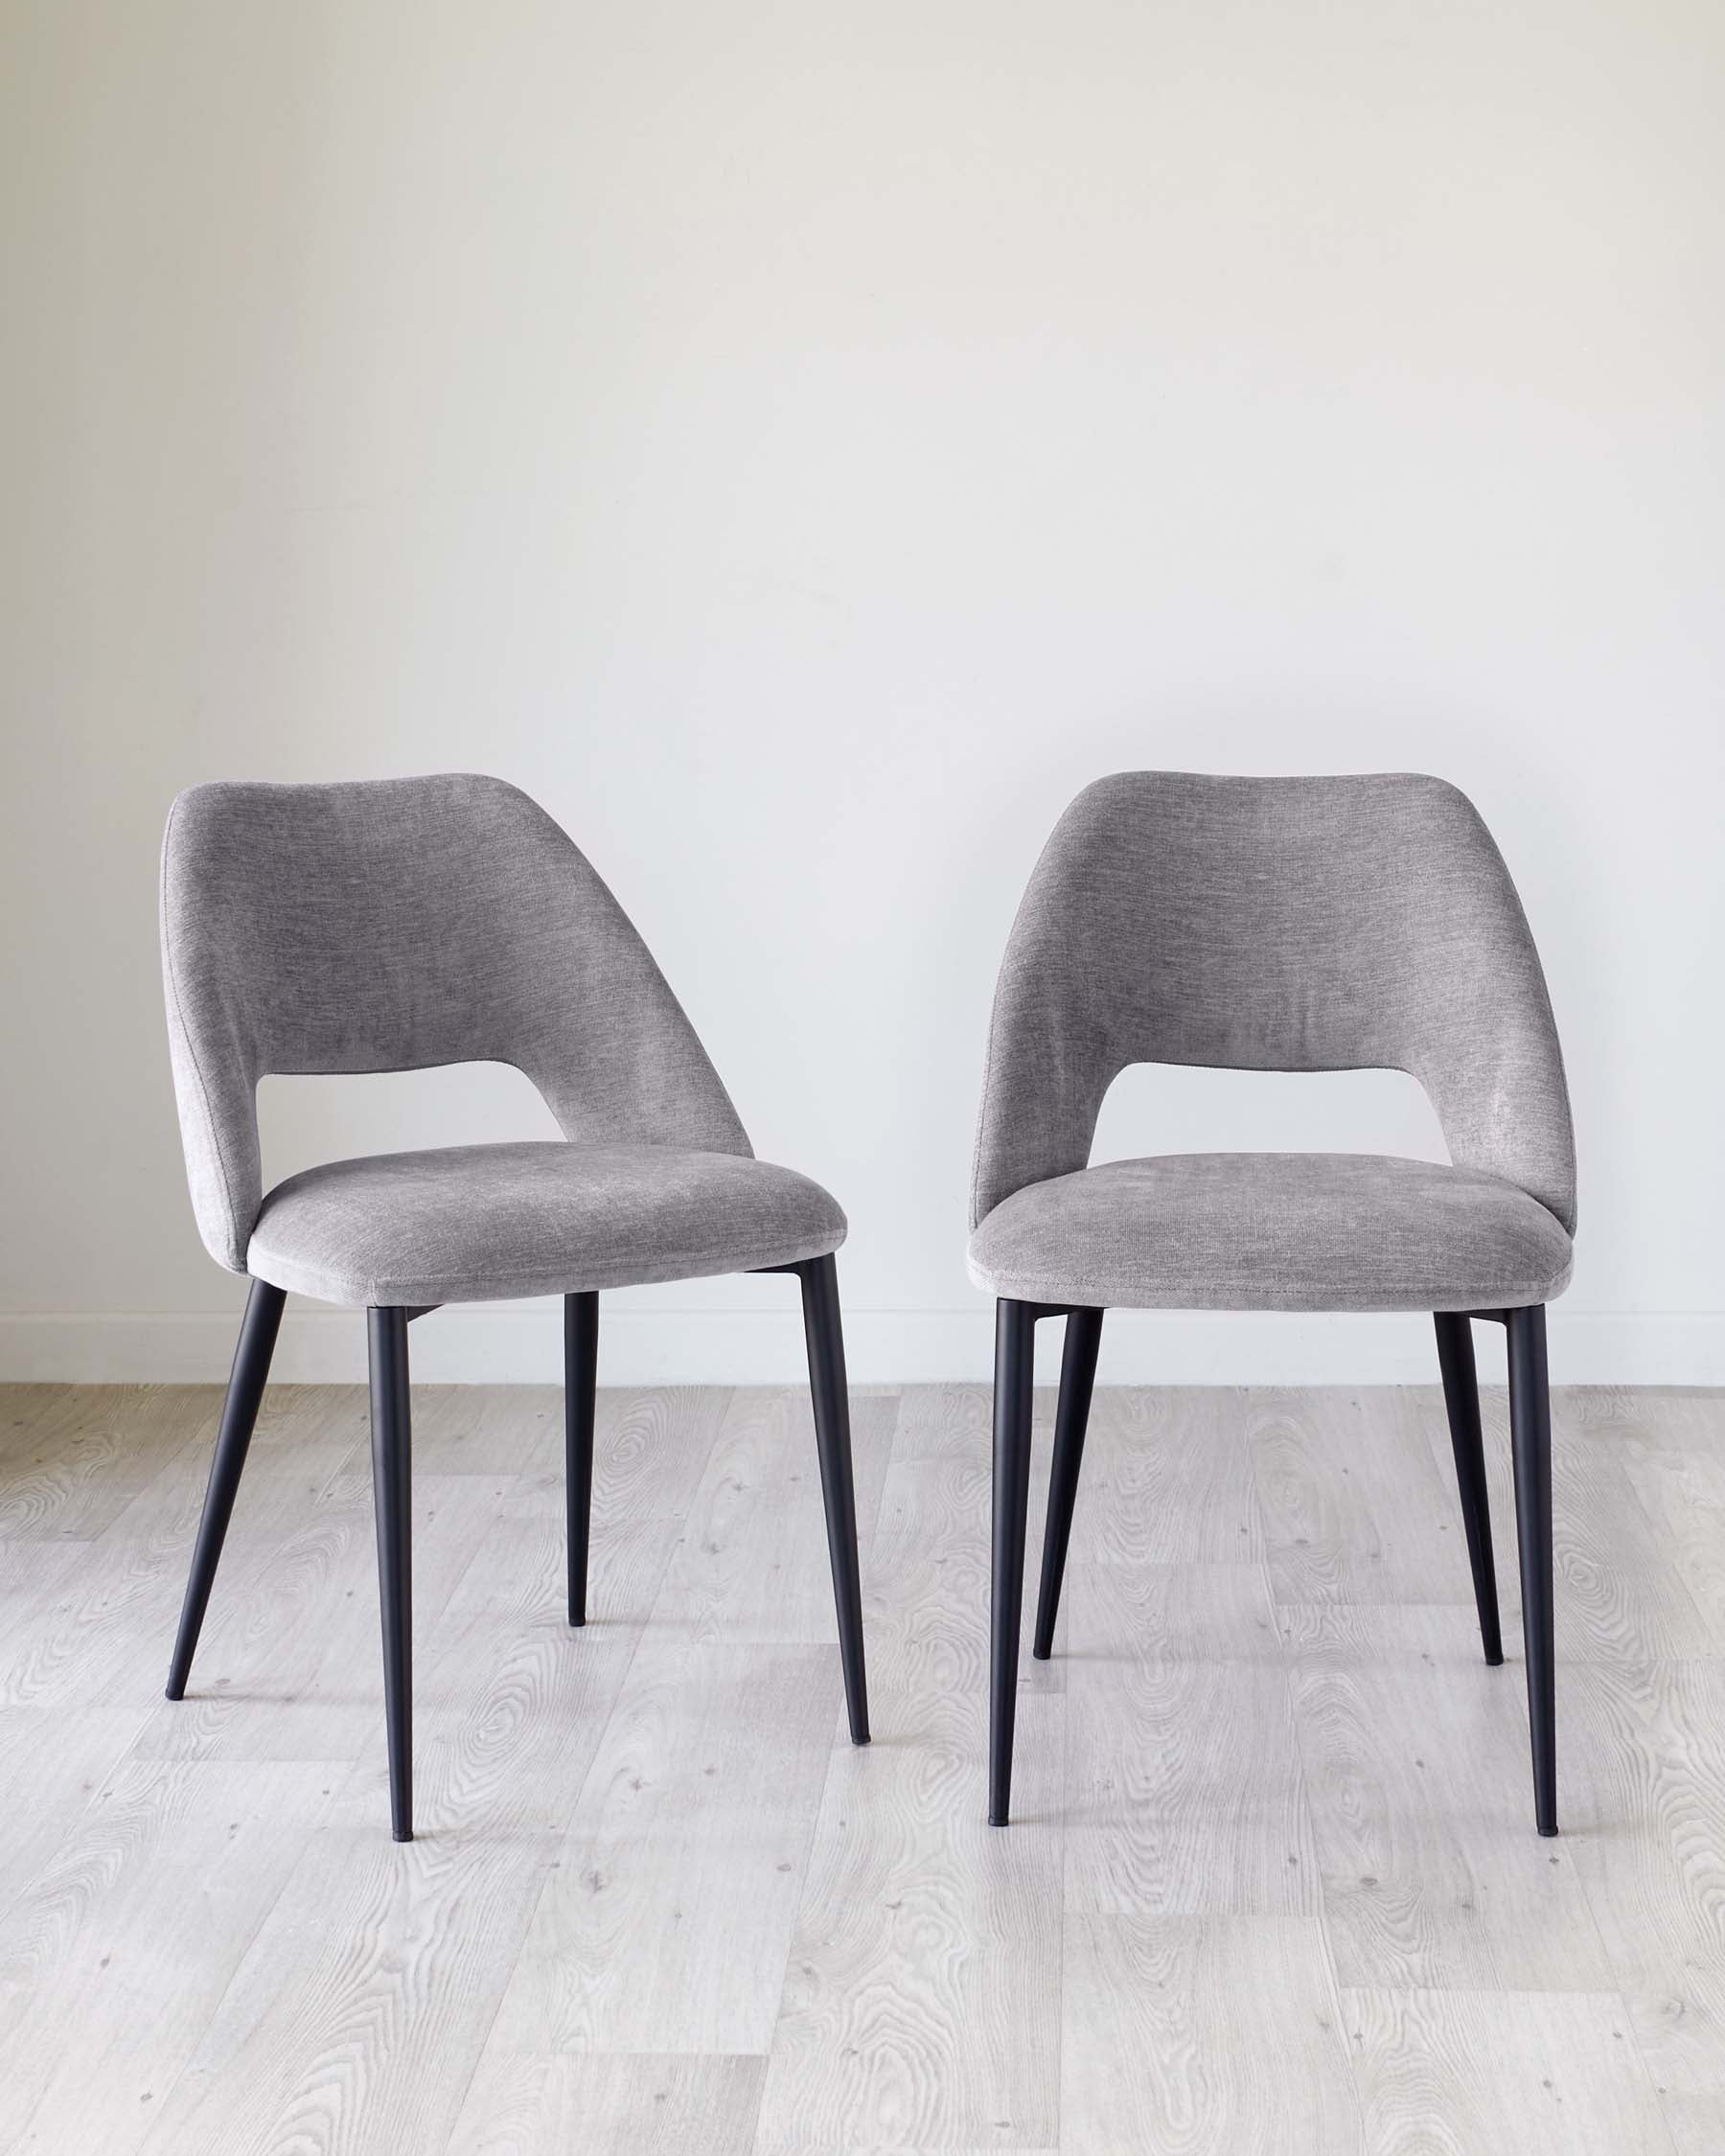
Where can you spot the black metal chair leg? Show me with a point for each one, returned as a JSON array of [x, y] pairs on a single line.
[[581, 1378], [1531, 1438], [830, 1393], [1071, 1416], [258, 1330], [392, 1496], [1462, 1398], [1015, 1346]]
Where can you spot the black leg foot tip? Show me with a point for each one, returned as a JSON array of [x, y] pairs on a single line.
[[1041, 1654], [1494, 1661], [1547, 1833], [401, 1834], [173, 1694], [999, 1818]]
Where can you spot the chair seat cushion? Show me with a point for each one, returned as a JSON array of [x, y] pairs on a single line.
[[1272, 1231], [482, 1223]]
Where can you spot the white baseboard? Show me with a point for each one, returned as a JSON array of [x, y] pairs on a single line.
[[520, 1343]]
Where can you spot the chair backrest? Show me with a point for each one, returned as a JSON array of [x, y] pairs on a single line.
[[392, 924], [1274, 923]]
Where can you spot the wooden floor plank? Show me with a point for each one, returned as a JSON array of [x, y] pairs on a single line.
[[925, 1578], [609, 2103], [650, 1450], [1671, 1456], [1169, 1479], [73, 1462], [1619, 1597], [1184, 1786], [1679, 2029], [1642, 1782], [1416, 1770], [665, 1922], [53, 1762], [290, 1664], [1355, 1509], [751, 1560], [922, 2001], [1472, 2073], [1619, 1593], [361, 2032], [1203, 2036], [115, 1957]]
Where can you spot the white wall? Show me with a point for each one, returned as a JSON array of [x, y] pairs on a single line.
[[803, 445]]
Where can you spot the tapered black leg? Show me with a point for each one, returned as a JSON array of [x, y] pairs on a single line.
[[830, 1394], [580, 1377], [1462, 1398], [1015, 1346], [1077, 1380], [1531, 1440], [258, 1330], [391, 1494]]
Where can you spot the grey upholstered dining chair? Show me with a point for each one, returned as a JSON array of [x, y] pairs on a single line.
[[1272, 924], [404, 923]]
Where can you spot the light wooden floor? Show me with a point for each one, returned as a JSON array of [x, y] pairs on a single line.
[[1273, 1885]]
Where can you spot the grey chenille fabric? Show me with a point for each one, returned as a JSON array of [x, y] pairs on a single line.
[[1274, 923], [396, 923], [1274, 1231], [470, 1223]]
